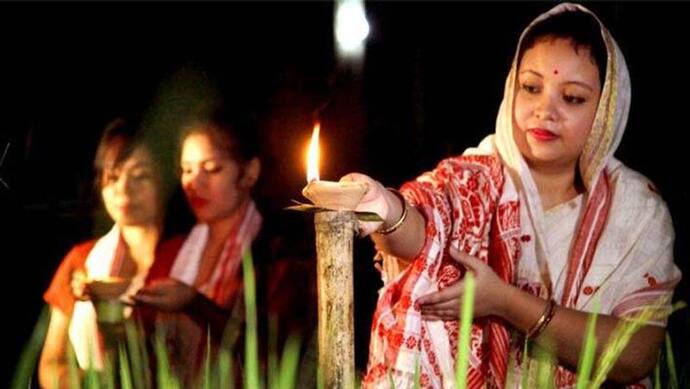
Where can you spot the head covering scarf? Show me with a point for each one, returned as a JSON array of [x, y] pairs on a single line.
[[487, 204]]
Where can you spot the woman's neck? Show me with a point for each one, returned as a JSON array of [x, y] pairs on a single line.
[[220, 229], [141, 243], [556, 184]]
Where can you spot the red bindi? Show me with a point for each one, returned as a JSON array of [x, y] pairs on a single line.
[[555, 71]]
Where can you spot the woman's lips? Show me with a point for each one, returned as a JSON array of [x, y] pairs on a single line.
[[542, 134], [197, 202], [125, 208]]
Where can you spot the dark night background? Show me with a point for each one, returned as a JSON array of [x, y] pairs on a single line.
[[429, 87]]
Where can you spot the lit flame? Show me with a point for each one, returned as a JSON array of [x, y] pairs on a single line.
[[313, 156]]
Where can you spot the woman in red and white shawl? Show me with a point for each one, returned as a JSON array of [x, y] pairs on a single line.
[[549, 222], [130, 182], [219, 167]]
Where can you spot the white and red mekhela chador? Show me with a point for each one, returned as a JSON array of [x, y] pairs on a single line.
[[186, 337], [618, 253]]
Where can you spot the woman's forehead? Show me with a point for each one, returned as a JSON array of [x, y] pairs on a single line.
[[203, 145], [559, 57], [140, 156]]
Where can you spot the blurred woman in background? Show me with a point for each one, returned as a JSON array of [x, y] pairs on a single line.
[[130, 181]]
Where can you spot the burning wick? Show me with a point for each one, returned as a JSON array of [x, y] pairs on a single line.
[[339, 196]]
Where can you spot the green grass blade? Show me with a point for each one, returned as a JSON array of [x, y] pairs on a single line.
[[619, 339], [467, 308], [31, 352], [251, 343], [206, 378], [417, 375], [108, 374], [657, 375], [319, 378], [125, 372], [546, 363], [166, 378], [92, 379], [72, 369], [671, 363], [288, 363], [226, 375], [588, 353], [136, 345]]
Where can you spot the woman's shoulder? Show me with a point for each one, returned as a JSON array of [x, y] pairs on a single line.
[[490, 161], [59, 292], [488, 166], [634, 186], [637, 196], [77, 255]]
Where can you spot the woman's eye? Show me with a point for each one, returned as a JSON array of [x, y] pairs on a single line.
[[184, 170], [529, 88], [572, 99], [141, 175], [212, 168]]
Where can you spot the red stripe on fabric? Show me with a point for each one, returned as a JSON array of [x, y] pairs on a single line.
[[225, 286], [640, 302], [475, 379], [591, 227], [575, 265], [119, 258], [228, 255], [602, 217]]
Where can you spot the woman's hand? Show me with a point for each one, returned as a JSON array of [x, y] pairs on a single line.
[[489, 292], [167, 294], [78, 285], [375, 200]]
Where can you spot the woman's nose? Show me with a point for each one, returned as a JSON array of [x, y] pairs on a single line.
[[192, 180], [545, 108], [124, 184]]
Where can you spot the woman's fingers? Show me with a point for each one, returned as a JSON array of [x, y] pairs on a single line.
[[453, 304], [150, 290], [453, 292], [145, 298], [469, 261], [445, 315]]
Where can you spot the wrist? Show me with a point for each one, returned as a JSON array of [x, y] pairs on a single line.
[[396, 204], [505, 299], [395, 209]]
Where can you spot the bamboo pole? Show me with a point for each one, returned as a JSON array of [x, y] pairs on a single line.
[[334, 239]]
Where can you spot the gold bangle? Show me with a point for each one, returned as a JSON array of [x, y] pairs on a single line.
[[543, 321], [400, 221], [546, 322]]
